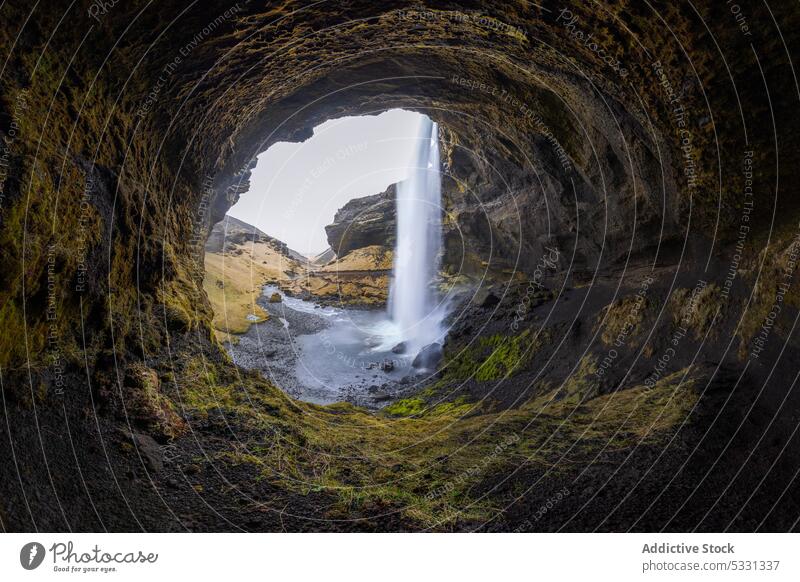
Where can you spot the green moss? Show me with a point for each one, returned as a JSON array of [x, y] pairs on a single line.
[[580, 387], [492, 358], [407, 406], [422, 405]]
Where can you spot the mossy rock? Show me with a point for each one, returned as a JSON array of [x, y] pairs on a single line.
[[492, 358], [147, 406]]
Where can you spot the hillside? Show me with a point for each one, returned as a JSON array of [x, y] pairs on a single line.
[[239, 261]]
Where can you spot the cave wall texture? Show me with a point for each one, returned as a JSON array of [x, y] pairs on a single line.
[[137, 126], [131, 127]]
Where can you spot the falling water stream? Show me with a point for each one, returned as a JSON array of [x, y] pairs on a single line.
[[413, 300]]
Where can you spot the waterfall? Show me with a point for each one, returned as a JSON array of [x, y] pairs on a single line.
[[413, 298]]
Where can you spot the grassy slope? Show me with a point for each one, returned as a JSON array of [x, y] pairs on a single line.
[[361, 277], [426, 467], [233, 282], [371, 258]]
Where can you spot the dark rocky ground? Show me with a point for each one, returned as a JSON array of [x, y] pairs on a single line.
[[271, 346], [731, 465]]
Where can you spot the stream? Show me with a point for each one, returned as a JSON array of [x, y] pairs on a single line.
[[324, 354]]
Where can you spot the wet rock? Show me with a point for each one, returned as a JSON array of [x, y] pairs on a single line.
[[428, 357], [460, 329], [490, 301], [372, 341], [275, 298], [485, 298], [400, 348]]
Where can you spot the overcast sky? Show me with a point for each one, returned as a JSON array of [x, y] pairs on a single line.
[[296, 188]]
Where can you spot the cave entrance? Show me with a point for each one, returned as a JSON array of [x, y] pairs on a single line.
[[324, 275]]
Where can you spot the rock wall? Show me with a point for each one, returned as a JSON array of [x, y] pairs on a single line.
[[670, 136], [363, 222], [140, 135]]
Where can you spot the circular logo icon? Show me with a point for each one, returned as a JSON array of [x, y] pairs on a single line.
[[31, 555]]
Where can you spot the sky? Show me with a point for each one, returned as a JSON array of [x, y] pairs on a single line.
[[296, 188]]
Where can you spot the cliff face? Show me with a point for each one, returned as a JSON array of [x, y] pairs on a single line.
[[545, 141], [363, 222]]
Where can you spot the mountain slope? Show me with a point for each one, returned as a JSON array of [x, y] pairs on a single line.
[[239, 261]]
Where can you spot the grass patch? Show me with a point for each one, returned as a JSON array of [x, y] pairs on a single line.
[[491, 358], [622, 318], [695, 308], [233, 282]]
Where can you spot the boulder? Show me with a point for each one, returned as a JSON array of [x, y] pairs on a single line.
[[148, 449], [400, 348], [428, 357], [490, 300]]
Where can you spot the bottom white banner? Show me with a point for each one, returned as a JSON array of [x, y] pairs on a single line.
[[355, 557]]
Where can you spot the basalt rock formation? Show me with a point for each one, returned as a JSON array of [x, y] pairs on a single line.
[[602, 160], [364, 222]]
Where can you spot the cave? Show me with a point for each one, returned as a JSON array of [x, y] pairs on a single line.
[[617, 183]]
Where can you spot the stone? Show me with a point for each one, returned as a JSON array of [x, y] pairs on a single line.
[[149, 450], [275, 298], [428, 357], [490, 300], [400, 348]]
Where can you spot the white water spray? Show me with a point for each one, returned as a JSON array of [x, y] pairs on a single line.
[[413, 298]]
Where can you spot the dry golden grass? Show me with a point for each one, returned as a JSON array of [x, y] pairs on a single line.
[[233, 281], [361, 277], [622, 318], [372, 258]]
